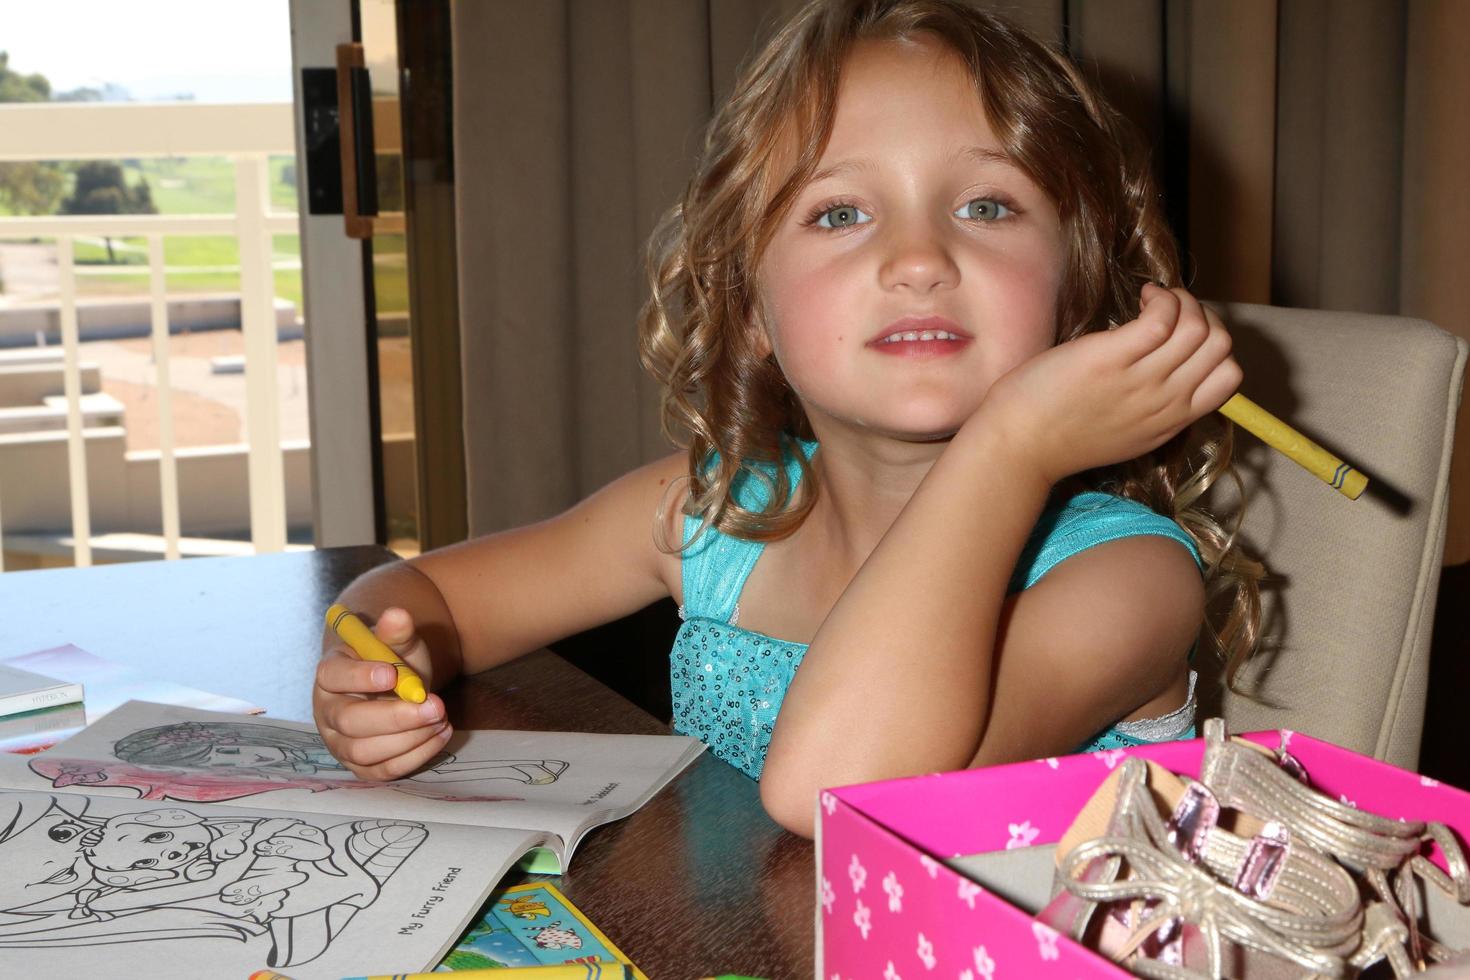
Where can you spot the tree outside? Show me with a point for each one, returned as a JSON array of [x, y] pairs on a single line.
[[28, 187], [101, 189]]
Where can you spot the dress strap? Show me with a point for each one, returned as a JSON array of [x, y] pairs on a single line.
[[716, 565], [1085, 521]]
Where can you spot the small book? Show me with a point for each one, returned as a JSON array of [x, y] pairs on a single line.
[[25, 690], [533, 925], [172, 842]]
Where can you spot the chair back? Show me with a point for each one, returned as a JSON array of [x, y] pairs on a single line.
[[1350, 593]]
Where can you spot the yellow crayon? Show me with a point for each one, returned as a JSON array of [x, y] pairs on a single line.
[[1294, 446], [268, 975], [600, 970], [354, 632]]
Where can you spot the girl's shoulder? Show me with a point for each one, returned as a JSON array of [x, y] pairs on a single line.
[[1074, 524]]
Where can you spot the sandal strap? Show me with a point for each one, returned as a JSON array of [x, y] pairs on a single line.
[[1246, 779]]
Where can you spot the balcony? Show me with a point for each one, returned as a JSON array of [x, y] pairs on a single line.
[[72, 489]]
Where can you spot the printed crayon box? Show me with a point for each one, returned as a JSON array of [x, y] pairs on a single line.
[[940, 875]]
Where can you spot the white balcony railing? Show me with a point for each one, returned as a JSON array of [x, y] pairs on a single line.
[[246, 134]]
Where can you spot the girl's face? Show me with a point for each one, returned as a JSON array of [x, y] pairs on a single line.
[[914, 225]]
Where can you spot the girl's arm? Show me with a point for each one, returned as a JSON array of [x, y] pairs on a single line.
[[470, 606], [901, 677]]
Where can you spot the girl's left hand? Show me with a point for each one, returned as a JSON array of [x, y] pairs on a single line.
[[1114, 395]]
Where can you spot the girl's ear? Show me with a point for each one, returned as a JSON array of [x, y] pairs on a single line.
[[761, 341], [759, 333]]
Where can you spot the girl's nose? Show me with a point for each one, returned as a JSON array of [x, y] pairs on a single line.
[[918, 261]]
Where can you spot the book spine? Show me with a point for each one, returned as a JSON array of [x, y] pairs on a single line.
[[14, 704]]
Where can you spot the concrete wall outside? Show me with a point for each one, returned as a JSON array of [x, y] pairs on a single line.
[[30, 384], [214, 485], [110, 318]]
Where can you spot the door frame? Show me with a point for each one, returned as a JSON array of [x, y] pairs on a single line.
[[341, 382]]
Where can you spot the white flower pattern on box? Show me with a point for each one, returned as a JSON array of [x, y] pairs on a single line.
[[1046, 941], [925, 951], [984, 965], [968, 890], [889, 973], [1022, 834], [829, 895], [863, 918], [894, 891], [857, 874]]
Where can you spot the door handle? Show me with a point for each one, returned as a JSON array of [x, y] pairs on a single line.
[[359, 161]]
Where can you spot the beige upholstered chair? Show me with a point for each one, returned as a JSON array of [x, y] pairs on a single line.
[[1350, 605]]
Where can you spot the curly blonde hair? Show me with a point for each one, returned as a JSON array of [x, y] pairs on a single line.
[[700, 331]]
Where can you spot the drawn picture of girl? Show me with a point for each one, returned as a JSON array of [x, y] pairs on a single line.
[[270, 752]]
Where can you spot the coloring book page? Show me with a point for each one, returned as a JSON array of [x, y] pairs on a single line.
[[100, 886], [558, 782]]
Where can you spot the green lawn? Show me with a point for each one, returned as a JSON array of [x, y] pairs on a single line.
[[210, 263], [205, 185]]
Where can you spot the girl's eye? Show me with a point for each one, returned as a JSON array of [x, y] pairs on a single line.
[[984, 209], [842, 216], [144, 863], [159, 837], [63, 833]]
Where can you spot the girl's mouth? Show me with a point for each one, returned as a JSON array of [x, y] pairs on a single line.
[[920, 343], [920, 336]]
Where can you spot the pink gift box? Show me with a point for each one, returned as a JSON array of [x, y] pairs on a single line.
[[892, 905]]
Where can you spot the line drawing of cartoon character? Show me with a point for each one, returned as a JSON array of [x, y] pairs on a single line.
[[269, 752], [171, 874], [132, 849], [40, 848]]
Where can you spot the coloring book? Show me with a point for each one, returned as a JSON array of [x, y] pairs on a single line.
[[166, 841]]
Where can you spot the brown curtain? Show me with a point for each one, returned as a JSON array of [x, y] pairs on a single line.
[[1312, 152]]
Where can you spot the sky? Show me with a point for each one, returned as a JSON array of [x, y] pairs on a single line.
[[216, 50]]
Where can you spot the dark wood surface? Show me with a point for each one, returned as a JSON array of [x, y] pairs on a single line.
[[699, 881]]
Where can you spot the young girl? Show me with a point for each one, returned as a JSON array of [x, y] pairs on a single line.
[[936, 508]]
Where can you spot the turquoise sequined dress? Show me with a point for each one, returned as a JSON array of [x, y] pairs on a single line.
[[728, 682]]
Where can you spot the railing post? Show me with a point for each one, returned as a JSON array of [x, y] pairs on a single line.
[[258, 324], [168, 471], [76, 437]]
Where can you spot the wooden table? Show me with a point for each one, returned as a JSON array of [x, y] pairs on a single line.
[[698, 881]]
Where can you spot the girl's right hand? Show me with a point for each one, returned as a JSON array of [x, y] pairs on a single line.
[[364, 724]]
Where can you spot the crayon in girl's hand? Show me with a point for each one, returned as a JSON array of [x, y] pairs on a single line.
[[410, 687], [1294, 446]]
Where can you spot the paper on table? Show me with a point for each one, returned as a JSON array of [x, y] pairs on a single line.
[[564, 783], [107, 685]]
